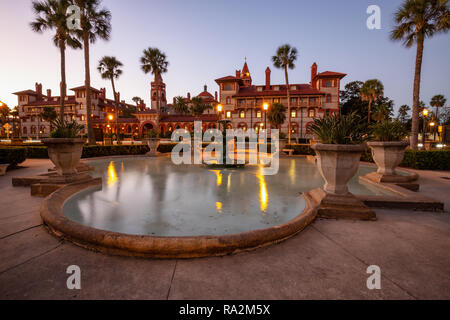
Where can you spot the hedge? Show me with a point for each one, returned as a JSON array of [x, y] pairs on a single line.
[[427, 160], [12, 156], [301, 149]]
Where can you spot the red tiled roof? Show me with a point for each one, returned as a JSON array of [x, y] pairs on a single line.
[[84, 87], [29, 92], [52, 102], [189, 118], [227, 78], [121, 120], [302, 89], [245, 69], [331, 74], [150, 111]]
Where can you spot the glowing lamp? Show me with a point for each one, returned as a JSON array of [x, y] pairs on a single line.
[[219, 108], [266, 106], [432, 124], [425, 112]]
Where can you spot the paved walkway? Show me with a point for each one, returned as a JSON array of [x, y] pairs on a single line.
[[326, 261]]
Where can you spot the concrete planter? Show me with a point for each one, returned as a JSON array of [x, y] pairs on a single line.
[[388, 155], [65, 154], [337, 165], [3, 168], [153, 144]]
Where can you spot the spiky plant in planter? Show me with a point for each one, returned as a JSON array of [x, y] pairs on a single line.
[[153, 141], [342, 142], [389, 141], [65, 148]]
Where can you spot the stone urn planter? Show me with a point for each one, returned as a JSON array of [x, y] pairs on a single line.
[[388, 155], [65, 153], [338, 163], [153, 144]]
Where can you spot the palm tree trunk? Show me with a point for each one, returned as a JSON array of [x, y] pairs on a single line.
[[158, 107], [416, 94], [116, 108], [90, 129], [62, 48], [370, 108], [289, 103]]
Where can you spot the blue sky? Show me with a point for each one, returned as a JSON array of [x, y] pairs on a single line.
[[208, 39]]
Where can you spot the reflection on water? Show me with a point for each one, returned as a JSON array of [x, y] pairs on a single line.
[[152, 196]]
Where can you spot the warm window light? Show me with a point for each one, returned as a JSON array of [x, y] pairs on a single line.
[[432, 124], [219, 108], [266, 106], [111, 117]]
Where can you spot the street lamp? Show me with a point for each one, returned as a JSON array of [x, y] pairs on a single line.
[[265, 107], [219, 111], [425, 112]]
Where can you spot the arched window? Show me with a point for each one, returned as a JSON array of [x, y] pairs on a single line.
[[311, 113], [25, 130], [242, 114], [328, 98]]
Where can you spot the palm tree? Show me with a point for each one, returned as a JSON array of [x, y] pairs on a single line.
[[198, 107], [137, 100], [370, 91], [180, 106], [381, 113], [438, 101], [109, 68], [155, 62], [95, 23], [284, 59], [277, 115], [416, 20], [403, 113], [52, 15]]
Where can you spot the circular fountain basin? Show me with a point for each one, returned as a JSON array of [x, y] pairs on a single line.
[[153, 208]]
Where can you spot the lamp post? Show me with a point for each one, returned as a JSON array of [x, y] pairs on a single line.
[[432, 124], [425, 114], [219, 111], [265, 107]]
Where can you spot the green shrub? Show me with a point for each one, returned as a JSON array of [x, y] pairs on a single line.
[[37, 152], [340, 129], [121, 150], [427, 160], [12, 156], [301, 149], [66, 129], [389, 130]]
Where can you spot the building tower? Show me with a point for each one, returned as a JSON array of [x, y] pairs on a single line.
[[158, 93]]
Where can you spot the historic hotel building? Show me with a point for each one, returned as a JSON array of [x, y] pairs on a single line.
[[243, 102], [32, 102]]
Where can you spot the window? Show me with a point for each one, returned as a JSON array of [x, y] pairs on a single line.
[[242, 114], [293, 87], [328, 83], [294, 100], [25, 130], [311, 113], [276, 88], [293, 114], [258, 114], [276, 100], [328, 98], [81, 106], [228, 100], [312, 101], [259, 89], [228, 87], [82, 118], [228, 114]]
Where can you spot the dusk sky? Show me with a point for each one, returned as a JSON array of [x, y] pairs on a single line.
[[208, 39]]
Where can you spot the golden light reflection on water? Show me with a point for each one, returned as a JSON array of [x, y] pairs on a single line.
[[219, 177], [219, 206], [112, 175], [263, 194], [292, 172]]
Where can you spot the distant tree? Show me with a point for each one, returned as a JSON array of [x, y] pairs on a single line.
[[381, 113], [4, 113], [370, 91], [438, 101], [403, 113], [416, 20], [137, 100], [351, 100], [52, 15], [49, 114], [285, 59], [277, 115], [180, 106], [198, 107], [444, 117], [155, 62], [110, 69]]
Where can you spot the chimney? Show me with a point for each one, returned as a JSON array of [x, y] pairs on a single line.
[[215, 96], [174, 100], [49, 93], [38, 88], [118, 96], [103, 93], [189, 96], [268, 72], [238, 73], [313, 74], [205, 88]]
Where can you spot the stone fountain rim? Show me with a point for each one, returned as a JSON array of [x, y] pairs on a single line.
[[62, 140], [145, 246]]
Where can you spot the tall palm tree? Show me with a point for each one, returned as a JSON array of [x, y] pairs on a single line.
[[438, 101], [155, 62], [284, 59], [109, 68], [180, 106], [370, 91], [95, 24], [277, 115], [416, 20], [52, 15], [381, 113]]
